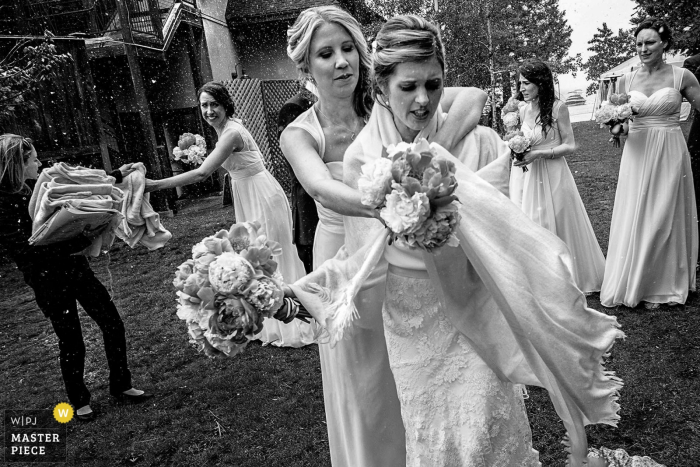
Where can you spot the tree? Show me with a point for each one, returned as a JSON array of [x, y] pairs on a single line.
[[24, 69], [486, 40], [609, 50], [683, 16]]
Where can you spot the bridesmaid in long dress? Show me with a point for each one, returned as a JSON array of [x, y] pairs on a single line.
[[653, 234], [256, 195], [547, 192], [362, 408]]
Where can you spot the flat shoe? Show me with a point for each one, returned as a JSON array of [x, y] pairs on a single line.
[[129, 399], [651, 306], [88, 417]]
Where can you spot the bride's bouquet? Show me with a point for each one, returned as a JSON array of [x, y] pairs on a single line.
[[520, 144], [413, 190], [229, 286], [191, 149], [614, 114]]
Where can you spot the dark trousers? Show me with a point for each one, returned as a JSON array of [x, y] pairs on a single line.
[[305, 253], [57, 291]]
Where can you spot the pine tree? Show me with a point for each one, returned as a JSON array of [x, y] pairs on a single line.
[[609, 50]]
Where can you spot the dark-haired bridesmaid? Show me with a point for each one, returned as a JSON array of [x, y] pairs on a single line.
[[256, 196], [547, 192]]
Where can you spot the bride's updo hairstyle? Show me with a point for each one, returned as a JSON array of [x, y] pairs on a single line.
[[538, 73], [220, 94], [406, 38], [661, 28], [301, 33]]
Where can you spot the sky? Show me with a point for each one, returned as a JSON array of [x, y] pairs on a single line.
[[584, 17]]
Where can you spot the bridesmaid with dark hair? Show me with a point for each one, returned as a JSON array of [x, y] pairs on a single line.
[[547, 192], [653, 245], [257, 196]]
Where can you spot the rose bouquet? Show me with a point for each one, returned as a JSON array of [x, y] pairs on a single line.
[[519, 144], [614, 114], [413, 190], [229, 286], [191, 149]]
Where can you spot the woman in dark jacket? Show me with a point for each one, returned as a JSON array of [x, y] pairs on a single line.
[[60, 276]]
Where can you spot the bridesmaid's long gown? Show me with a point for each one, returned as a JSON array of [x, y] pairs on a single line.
[[363, 413], [654, 233], [258, 196]]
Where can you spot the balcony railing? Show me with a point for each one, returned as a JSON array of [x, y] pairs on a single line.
[[99, 17]]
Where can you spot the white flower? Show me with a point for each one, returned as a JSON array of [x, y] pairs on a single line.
[[375, 182], [623, 112], [393, 149], [230, 273], [178, 154], [404, 214], [605, 114], [519, 144], [511, 120]]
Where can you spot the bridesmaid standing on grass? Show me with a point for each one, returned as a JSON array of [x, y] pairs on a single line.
[[257, 196], [654, 232], [362, 407], [547, 192]]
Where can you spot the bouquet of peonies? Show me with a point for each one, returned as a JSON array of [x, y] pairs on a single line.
[[229, 286], [519, 144], [617, 111], [510, 114], [413, 189], [191, 149]]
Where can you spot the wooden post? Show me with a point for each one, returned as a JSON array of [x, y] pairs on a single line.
[[85, 74], [155, 164]]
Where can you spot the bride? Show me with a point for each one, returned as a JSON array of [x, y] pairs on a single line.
[[465, 325]]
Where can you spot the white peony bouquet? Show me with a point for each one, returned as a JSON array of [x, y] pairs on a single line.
[[191, 149], [413, 189], [229, 286], [614, 114]]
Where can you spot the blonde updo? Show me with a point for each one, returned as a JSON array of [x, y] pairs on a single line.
[[299, 38], [406, 38]]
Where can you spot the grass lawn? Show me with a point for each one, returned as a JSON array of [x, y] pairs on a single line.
[[265, 407]]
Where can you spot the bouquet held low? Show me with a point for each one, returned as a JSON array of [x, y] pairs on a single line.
[[229, 286]]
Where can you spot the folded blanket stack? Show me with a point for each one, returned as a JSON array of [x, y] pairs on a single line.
[[85, 191]]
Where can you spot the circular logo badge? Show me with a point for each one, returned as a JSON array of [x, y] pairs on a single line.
[[63, 413]]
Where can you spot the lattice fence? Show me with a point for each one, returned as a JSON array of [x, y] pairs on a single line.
[[258, 103]]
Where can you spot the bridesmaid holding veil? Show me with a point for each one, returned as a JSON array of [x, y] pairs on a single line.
[[653, 233], [327, 46], [257, 196]]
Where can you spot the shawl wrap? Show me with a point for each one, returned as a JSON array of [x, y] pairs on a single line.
[[508, 287]]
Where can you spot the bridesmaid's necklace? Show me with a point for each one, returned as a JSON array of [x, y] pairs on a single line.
[[352, 131]]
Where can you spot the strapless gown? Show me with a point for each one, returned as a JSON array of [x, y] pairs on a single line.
[[363, 414], [653, 245]]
